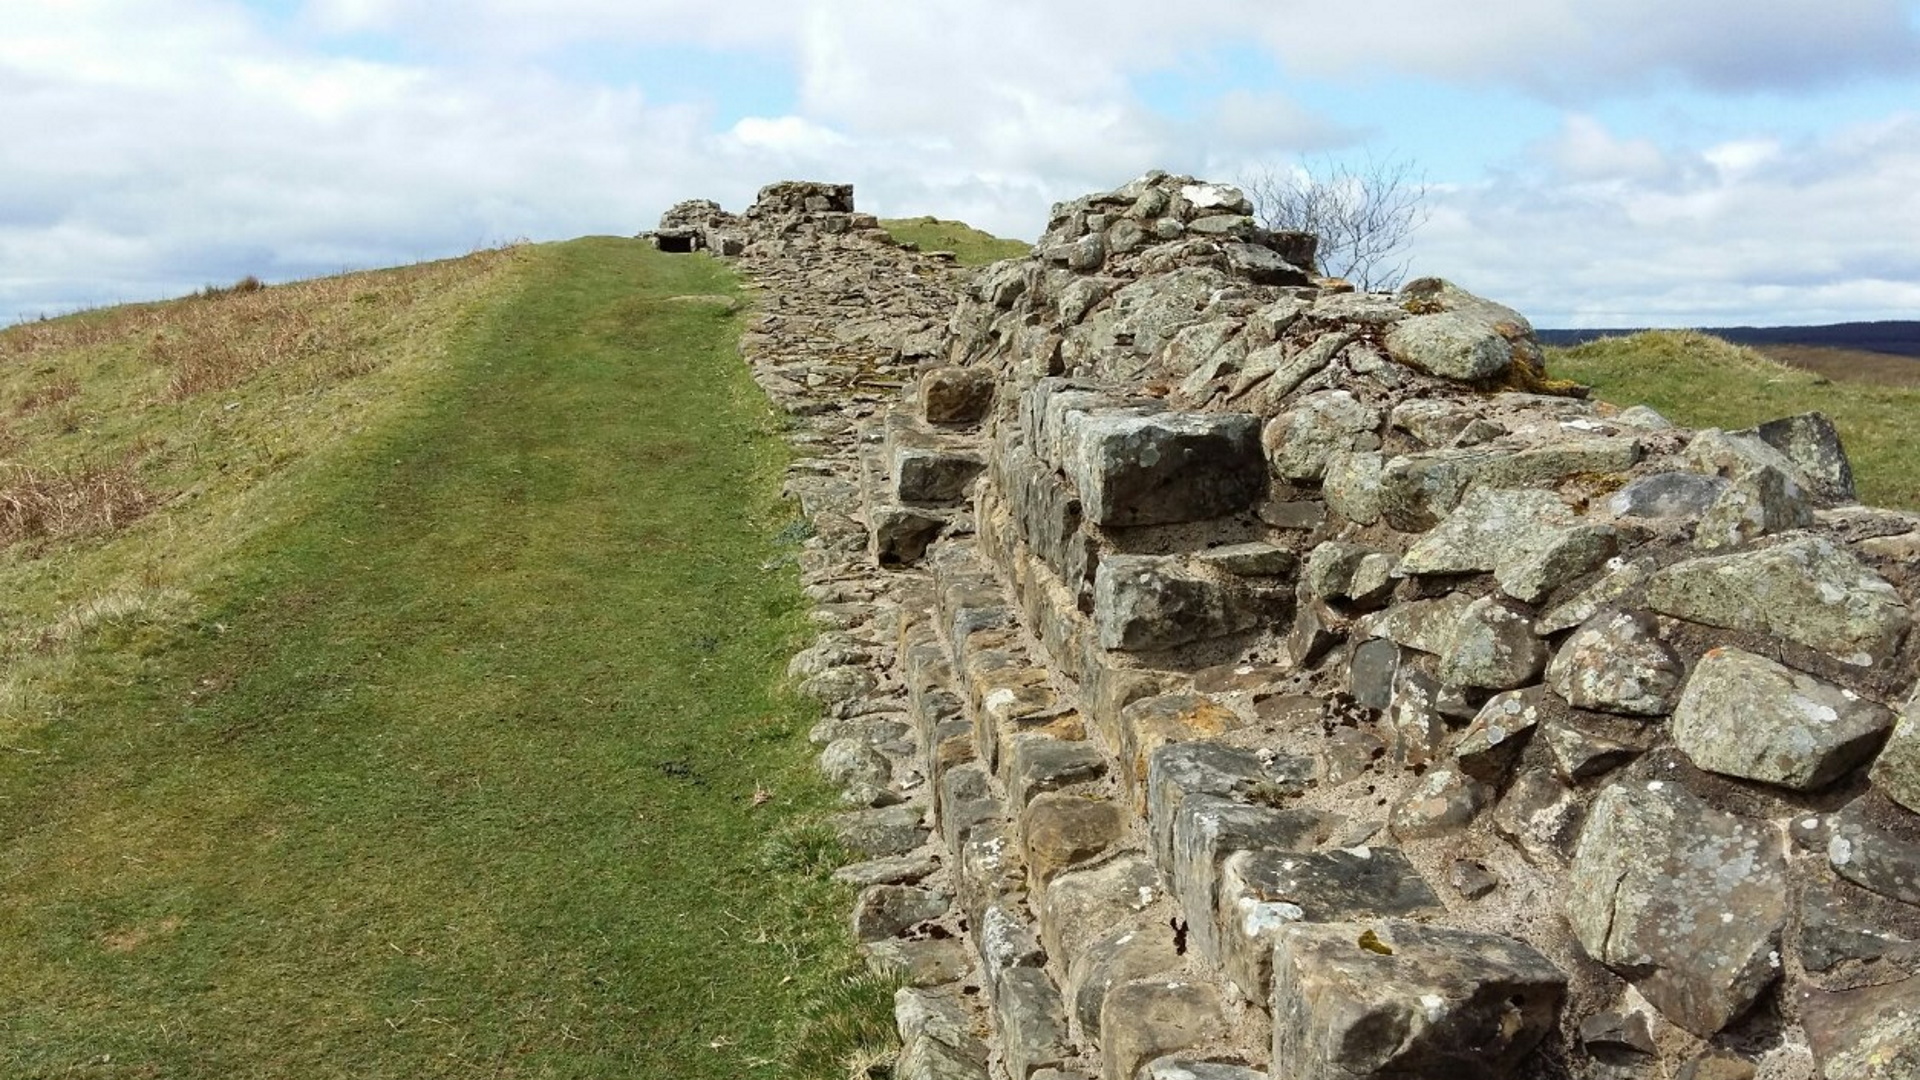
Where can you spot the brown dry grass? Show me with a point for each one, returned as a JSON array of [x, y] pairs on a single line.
[[55, 504], [1849, 365]]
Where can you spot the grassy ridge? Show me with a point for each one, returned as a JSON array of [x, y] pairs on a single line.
[[1701, 381], [970, 246], [468, 760]]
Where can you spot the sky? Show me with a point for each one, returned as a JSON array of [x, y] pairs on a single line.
[[1589, 162]]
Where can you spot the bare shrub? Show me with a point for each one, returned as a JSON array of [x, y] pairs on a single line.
[[1363, 214]]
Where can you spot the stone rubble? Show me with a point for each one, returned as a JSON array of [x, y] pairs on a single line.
[[1233, 675]]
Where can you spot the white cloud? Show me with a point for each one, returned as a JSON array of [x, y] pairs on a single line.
[[1744, 232]]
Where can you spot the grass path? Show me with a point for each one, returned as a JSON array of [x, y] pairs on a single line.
[[455, 775]]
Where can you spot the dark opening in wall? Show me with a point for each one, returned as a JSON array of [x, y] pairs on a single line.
[[676, 244]]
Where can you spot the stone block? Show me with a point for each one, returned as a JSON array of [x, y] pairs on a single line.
[[1034, 766], [1006, 941], [891, 830], [1179, 771], [1149, 724], [1206, 830], [1811, 442], [1263, 892], [925, 1058], [1869, 1033], [1182, 1068], [955, 395], [1529, 539], [1133, 951], [1390, 999], [1165, 468], [1747, 716], [1897, 771], [1449, 345], [1616, 662], [1032, 1023], [1147, 602], [1444, 802], [920, 963], [883, 911], [1081, 905], [899, 535], [987, 868], [1061, 829], [1492, 647], [1684, 901], [966, 801], [1149, 1019]]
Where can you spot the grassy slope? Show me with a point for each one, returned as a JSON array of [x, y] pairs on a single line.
[[1701, 381], [970, 246], [444, 763]]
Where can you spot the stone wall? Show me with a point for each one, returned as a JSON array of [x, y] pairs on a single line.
[[1235, 675]]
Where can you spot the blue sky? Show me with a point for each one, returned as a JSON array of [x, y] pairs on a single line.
[[1591, 162]]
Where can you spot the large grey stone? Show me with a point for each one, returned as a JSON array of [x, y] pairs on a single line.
[[1165, 468], [1081, 905], [892, 830], [1449, 345], [1390, 1000], [1444, 802], [1870, 856], [1351, 485], [1758, 504], [1033, 1022], [1130, 952], [1426, 625], [1616, 662], [1897, 772], [1206, 830], [1156, 602], [885, 910], [1181, 771], [1747, 716], [1263, 892], [1664, 496], [1808, 590], [1299, 442], [1811, 442], [923, 1057], [1499, 731], [1684, 901], [1492, 647], [1531, 541]]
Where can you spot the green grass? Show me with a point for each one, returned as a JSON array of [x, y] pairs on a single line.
[[1697, 380], [970, 246], [432, 748]]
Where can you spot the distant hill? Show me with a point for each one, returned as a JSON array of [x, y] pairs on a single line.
[[1900, 338]]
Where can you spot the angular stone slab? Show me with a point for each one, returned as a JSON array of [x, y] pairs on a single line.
[[1082, 905], [1616, 662], [1811, 442], [955, 395], [1872, 1033], [1390, 1000], [1492, 647], [1684, 901], [1151, 723], [1748, 716], [1180, 771], [1870, 857], [1263, 892], [892, 830], [1299, 442], [1449, 345], [1808, 590], [885, 910], [1039, 765], [926, 1058], [1128, 953], [1165, 468], [1060, 829], [1531, 541]]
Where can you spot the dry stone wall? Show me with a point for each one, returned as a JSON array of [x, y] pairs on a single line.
[[1234, 675]]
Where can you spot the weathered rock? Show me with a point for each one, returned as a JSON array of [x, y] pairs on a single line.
[[926, 1058], [1492, 647], [1748, 716], [1299, 442], [927, 962], [892, 830], [883, 911], [1033, 1022], [1618, 1039], [1811, 442], [900, 534], [1155, 602], [1426, 625], [1684, 901], [1391, 999], [1350, 572], [1897, 772], [1616, 662], [1529, 539], [1491, 743], [1449, 345], [1164, 468], [1039, 765], [1443, 802], [1758, 504], [1621, 578], [1352, 485], [1178, 1068], [852, 761], [1871, 1033], [1128, 953], [1541, 816], [1206, 830], [1664, 496], [1060, 829], [1370, 672], [1150, 1019], [1471, 878], [1871, 857], [1081, 905], [1154, 722], [1256, 559], [1580, 752], [1178, 772], [955, 395], [1807, 590], [1006, 941], [1263, 892], [894, 870]]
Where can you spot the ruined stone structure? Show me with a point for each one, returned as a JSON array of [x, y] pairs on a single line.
[[1236, 676]]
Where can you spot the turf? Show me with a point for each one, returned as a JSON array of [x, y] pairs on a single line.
[[467, 757], [1701, 381], [969, 245]]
